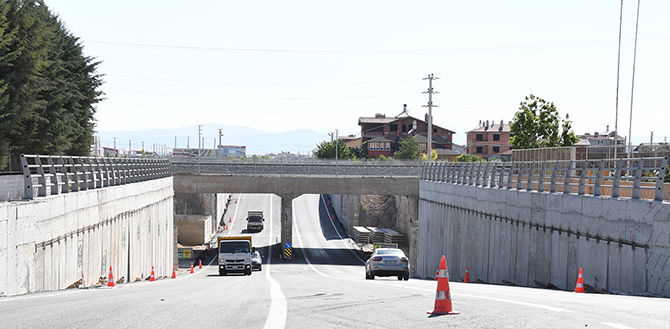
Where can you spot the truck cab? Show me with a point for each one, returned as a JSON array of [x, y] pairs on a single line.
[[235, 255], [255, 221]]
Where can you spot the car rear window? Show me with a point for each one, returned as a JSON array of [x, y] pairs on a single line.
[[397, 252]]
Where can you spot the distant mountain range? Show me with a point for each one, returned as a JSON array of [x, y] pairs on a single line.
[[258, 142]]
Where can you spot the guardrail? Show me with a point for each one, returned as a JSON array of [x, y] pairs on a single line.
[[50, 174], [613, 177], [308, 167]]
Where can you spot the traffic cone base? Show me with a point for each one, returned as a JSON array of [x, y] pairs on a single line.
[[110, 278], [443, 294], [579, 288]]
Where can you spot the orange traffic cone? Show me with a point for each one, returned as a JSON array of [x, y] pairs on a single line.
[[230, 219], [235, 200], [200, 265], [226, 226], [174, 275], [153, 276], [192, 267], [443, 295], [437, 273], [110, 278], [467, 275], [580, 283]]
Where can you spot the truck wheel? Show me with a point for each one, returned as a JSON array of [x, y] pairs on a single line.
[[260, 268], [222, 272], [247, 272]]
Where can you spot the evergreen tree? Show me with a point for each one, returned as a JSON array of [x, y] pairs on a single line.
[[409, 149], [326, 150], [536, 124], [48, 88]]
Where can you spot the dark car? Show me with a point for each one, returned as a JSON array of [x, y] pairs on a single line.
[[387, 262]]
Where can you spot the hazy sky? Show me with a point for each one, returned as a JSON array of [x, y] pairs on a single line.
[[320, 65]]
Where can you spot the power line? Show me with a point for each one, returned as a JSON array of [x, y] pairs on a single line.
[[259, 98], [581, 44], [263, 84]]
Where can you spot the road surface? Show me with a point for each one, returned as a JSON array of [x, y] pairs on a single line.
[[324, 287]]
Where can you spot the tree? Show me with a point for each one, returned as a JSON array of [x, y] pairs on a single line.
[[536, 124], [48, 88], [424, 156], [469, 158], [326, 150], [409, 149]]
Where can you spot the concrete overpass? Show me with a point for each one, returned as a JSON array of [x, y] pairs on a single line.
[[290, 180]]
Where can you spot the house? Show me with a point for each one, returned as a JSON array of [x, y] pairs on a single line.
[[489, 140], [601, 145], [352, 141], [383, 134]]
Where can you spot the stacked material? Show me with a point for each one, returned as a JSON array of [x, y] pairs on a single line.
[[361, 234], [376, 235], [391, 236]]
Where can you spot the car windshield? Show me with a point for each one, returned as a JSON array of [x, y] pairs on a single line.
[[256, 255], [394, 252], [233, 247], [255, 219]]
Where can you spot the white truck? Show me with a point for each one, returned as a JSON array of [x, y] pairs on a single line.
[[234, 254], [255, 220]]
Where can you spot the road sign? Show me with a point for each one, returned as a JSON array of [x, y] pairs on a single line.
[[287, 245]]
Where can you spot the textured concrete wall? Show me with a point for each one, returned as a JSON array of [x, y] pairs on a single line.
[[11, 187], [527, 239], [52, 242], [193, 229]]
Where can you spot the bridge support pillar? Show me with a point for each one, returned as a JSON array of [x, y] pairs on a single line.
[[286, 232]]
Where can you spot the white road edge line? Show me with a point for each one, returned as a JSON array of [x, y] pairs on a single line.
[[278, 308], [617, 325], [338, 232], [230, 229]]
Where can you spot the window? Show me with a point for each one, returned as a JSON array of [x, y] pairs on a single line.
[[404, 128], [434, 130], [480, 149], [393, 127], [496, 149], [479, 138], [496, 137]]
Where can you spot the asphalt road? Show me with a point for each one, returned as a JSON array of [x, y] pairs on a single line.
[[324, 287]]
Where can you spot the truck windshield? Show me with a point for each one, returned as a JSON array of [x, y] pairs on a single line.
[[255, 219], [233, 247]]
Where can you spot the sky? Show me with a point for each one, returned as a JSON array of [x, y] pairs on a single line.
[[280, 66]]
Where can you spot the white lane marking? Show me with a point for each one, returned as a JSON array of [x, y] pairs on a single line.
[[230, 228], [617, 325], [304, 253], [549, 308], [338, 232], [278, 308]]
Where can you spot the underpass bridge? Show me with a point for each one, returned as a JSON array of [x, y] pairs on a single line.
[[290, 179]]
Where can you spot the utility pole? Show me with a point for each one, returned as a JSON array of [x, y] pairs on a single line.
[[117, 152], [143, 149], [618, 64], [632, 88], [199, 149], [129, 147], [337, 143], [219, 148], [430, 106]]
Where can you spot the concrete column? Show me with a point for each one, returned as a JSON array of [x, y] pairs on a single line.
[[286, 231]]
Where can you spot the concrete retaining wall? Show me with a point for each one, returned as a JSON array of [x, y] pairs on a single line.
[[11, 188], [53, 242], [530, 238], [193, 229]]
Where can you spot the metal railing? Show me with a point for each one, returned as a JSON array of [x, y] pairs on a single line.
[[305, 167], [50, 174], [613, 177]]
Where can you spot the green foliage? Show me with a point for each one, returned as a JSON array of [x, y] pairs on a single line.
[[433, 153], [536, 124], [409, 149], [667, 175], [360, 152], [326, 150], [469, 158], [47, 86], [383, 157]]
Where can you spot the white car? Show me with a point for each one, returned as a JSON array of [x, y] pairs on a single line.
[[387, 262]]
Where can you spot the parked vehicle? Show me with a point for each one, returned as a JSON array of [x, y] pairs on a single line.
[[387, 262], [234, 254], [256, 261], [255, 220]]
